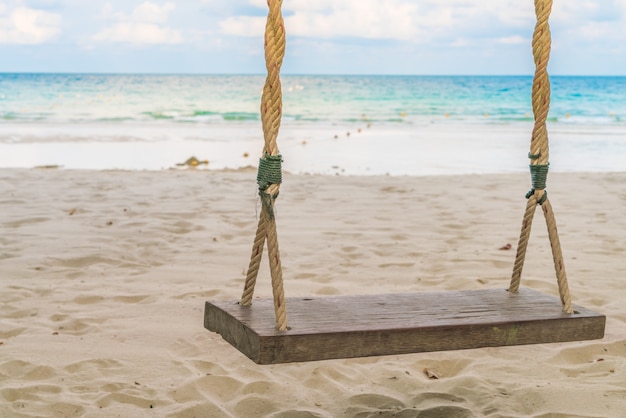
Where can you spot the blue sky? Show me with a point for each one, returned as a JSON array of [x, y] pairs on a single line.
[[324, 36]]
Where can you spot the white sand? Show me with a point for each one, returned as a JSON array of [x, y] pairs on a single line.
[[104, 277]]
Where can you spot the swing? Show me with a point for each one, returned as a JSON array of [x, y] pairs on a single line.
[[374, 325]]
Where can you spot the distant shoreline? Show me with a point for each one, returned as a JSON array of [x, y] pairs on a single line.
[[287, 74]]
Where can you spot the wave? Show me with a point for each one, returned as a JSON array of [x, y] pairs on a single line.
[[241, 116], [207, 117], [110, 99]]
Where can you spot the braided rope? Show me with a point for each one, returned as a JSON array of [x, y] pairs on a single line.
[[523, 244], [255, 264], [269, 184], [539, 156], [557, 257]]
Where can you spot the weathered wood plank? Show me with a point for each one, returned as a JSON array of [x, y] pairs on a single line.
[[374, 325]]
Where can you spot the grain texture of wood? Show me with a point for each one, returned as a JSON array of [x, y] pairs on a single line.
[[375, 325]]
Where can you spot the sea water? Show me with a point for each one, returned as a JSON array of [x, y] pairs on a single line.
[[399, 125]]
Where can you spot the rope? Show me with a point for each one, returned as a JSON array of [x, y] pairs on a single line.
[[270, 172], [539, 159], [523, 244], [269, 175], [255, 263], [557, 257]]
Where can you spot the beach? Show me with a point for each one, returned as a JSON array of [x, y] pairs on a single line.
[[111, 241], [105, 274]]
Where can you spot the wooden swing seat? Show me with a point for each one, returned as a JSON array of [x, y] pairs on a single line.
[[375, 325]]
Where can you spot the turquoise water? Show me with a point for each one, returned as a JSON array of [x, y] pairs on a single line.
[[398, 125], [87, 98]]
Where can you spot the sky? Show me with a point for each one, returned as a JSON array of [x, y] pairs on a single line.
[[445, 37]]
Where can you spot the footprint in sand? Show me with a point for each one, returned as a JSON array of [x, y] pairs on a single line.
[[73, 326], [376, 401], [206, 294], [253, 404], [23, 222], [39, 400], [29, 393], [594, 359], [327, 291], [204, 409], [83, 262], [401, 265], [95, 367], [299, 413], [5, 335], [88, 299], [183, 227], [217, 388], [142, 400], [135, 299], [376, 405], [441, 405], [18, 369]]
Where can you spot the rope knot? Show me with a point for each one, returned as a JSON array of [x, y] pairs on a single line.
[[539, 177], [270, 171], [542, 199]]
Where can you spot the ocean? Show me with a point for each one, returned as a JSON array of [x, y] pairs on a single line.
[[359, 125]]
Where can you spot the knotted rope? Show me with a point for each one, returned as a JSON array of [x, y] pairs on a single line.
[[539, 159], [269, 174]]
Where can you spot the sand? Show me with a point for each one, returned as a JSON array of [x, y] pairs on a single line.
[[104, 275]]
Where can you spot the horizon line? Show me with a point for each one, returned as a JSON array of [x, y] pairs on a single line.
[[294, 74]]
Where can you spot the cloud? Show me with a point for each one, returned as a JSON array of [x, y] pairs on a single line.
[[327, 19], [26, 26], [513, 40], [587, 23], [150, 12], [147, 25], [138, 33], [243, 26], [391, 20]]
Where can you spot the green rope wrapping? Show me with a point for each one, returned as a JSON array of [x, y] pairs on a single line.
[[270, 172], [539, 177]]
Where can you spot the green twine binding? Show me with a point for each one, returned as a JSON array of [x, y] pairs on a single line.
[[539, 176], [270, 172]]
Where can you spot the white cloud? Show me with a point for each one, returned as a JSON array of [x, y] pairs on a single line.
[[138, 33], [353, 18], [513, 40], [591, 24], [580, 10], [243, 26], [107, 11], [393, 19], [150, 12], [146, 25], [588, 35], [595, 30], [25, 26], [326, 19]]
